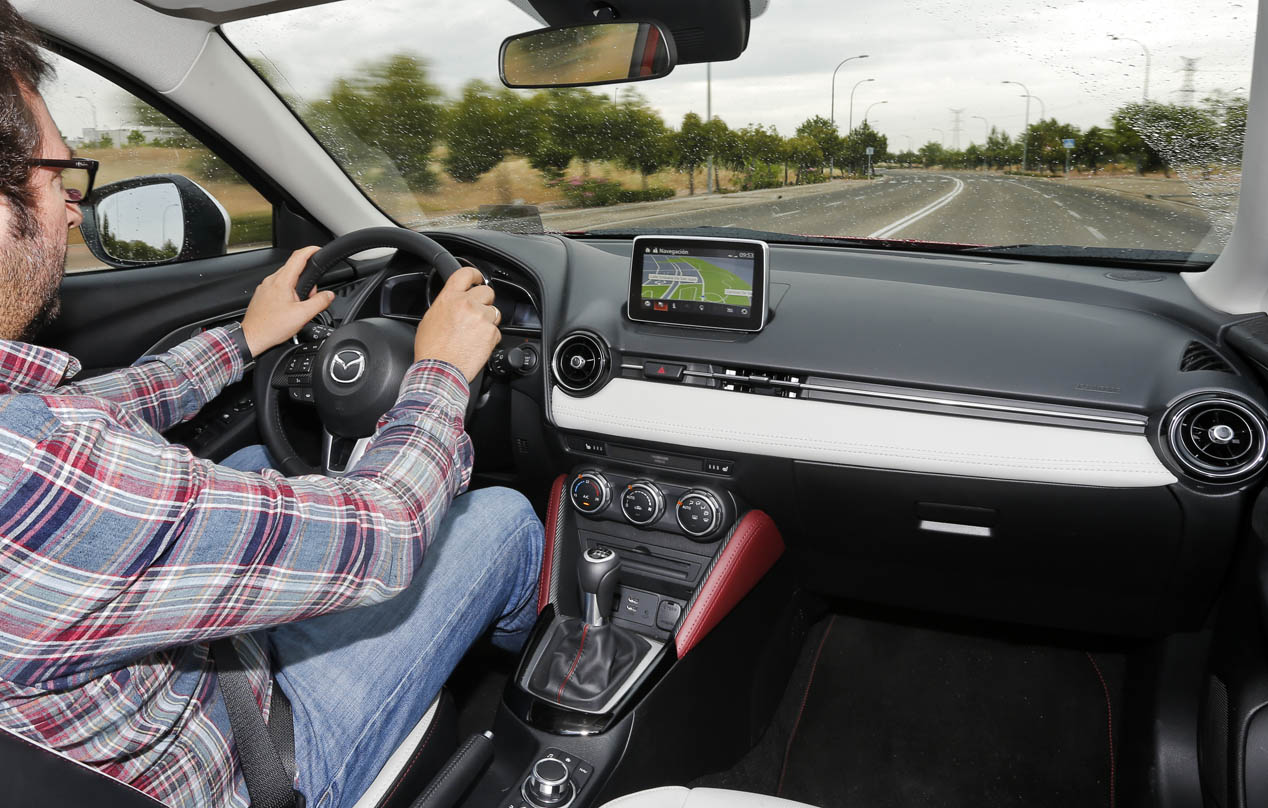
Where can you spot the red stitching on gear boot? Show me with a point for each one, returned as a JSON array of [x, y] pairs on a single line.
[[581, 646], [1109, 711], [548, 546]]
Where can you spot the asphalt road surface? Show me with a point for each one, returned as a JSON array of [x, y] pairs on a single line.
[[964, 207]]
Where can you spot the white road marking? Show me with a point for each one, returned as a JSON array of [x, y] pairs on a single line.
[[732, 224], [838, 202], [1095, 232], [1075, 215], [786, 213], [912, 218]]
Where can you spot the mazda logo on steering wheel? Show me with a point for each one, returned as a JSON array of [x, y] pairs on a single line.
[[347, 366]]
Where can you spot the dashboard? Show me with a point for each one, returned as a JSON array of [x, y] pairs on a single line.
[[1048, 444]]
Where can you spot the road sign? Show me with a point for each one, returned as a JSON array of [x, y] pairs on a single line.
[[1068, 143], [870, 151]]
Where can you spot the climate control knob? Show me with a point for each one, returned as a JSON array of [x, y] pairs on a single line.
[[590, 492], [642, 503], [699, 513]]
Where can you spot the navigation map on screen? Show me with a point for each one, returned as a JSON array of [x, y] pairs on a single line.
[[721, 278]]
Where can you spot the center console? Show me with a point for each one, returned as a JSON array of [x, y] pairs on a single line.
[[645, 555]]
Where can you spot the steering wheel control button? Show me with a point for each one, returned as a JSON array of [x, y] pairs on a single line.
[[548, 784], [590, 492], [663, 371], [699, 513], [642, 503]]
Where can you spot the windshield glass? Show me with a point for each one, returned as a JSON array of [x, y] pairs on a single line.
[[1115, 124]]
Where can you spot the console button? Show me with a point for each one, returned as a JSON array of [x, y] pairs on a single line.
[[663, 371], [548, 784]]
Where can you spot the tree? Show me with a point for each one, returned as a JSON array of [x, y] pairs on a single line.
[[1095, 147], [645, 142], [853, 150], [1045, 143], [105, 142], [805, 154], [932, 154], [1001, 150], [135, 138], [480, 129], [693, 144], [1160, 136], [387, 109], [824, 133]]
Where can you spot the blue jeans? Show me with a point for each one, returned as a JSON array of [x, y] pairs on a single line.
[[359, 680]]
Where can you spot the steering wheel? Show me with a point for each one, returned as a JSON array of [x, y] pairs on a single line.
[[353, 376]]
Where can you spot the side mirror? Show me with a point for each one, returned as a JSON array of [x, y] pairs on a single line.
[[583, 55], [154, 220]]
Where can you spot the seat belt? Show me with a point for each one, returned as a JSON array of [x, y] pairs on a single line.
[[266, 753]]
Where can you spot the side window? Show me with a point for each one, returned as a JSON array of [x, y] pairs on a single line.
[[129, 138]]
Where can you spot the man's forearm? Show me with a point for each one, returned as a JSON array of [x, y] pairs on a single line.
[[164, 389]]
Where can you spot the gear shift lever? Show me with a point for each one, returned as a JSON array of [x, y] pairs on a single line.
[[598, 573]]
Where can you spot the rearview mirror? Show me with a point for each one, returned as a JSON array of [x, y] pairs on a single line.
[[154, 220], [582, 55]]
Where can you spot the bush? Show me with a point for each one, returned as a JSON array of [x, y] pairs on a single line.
[[653, 194], [810, 177], [597, 192], [763, 175]]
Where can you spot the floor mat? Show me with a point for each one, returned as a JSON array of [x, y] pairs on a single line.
[[879, 715]]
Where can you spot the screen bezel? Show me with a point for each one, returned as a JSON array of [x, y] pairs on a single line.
[[756, 320]]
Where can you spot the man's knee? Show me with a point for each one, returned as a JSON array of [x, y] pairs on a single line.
[[507, 517]]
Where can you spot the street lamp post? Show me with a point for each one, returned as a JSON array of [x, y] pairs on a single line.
[[1025, 132], [852, 89], [1148, 61], [833, 106], [986, 128], [869, 108], [1043, 108]]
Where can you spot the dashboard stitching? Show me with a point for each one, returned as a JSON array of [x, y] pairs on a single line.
[[1120, 467]]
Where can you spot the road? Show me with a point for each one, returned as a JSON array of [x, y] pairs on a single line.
[[964, 207]]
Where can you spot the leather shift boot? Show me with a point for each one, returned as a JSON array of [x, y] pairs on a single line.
[[585, 665]]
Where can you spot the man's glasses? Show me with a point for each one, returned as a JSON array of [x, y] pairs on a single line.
[[78, 176]]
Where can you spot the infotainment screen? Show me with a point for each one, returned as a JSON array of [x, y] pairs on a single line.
[[699, 282]]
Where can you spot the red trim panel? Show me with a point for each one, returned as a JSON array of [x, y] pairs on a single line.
[[754, 547], [553, 508]]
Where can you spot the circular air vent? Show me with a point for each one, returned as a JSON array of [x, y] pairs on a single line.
[[581, 362], [1217, 438]]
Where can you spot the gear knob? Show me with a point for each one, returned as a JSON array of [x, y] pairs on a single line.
[[598, 573]]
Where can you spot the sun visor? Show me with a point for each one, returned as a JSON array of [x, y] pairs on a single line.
[[713, 31]]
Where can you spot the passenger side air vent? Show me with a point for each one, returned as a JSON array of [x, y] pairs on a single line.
[[1217, 438], [581, 363], [1199, 357]]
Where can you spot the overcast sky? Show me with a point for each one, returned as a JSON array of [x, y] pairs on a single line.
[[926, 56]]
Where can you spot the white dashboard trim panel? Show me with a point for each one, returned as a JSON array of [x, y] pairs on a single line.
[[900, 440]]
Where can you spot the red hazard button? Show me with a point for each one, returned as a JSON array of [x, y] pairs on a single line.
[[663, 371]]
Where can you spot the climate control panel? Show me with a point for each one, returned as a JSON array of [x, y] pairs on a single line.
[[697, 512]]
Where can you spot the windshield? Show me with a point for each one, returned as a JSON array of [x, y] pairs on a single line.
[[1066, 124]]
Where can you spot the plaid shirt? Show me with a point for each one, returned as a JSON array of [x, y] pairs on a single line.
[[122, 555]]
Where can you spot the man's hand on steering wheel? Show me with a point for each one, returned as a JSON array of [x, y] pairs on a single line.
[[461, 325], [276, 313]]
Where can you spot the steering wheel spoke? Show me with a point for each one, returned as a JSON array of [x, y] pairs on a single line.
[[294, 373], [339, 455]]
